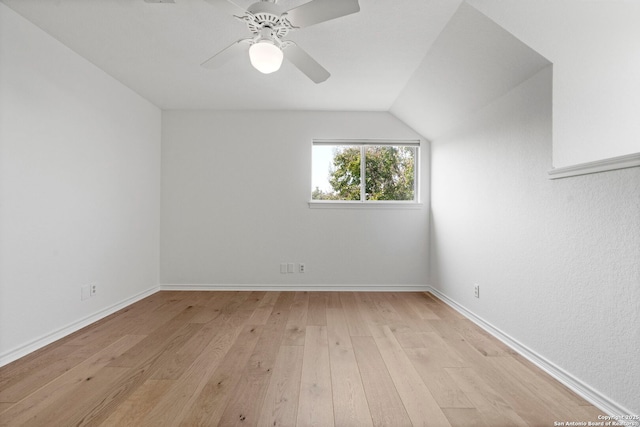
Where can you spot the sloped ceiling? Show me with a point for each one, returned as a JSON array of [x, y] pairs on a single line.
[[157, 49], [473, 62], [428, 62]]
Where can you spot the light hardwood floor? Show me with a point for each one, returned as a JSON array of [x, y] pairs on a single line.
[[283, 359]]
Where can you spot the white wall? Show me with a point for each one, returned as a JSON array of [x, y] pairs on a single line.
[[594, 47], [558, 262], [79, 189], [235, 192]]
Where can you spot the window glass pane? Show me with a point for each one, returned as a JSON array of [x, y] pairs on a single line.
[[389, 172], [335, 172]]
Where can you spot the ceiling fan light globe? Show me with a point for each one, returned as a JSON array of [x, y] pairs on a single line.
[[265, 57]]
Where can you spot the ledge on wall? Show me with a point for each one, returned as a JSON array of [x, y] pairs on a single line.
[[613, 163]]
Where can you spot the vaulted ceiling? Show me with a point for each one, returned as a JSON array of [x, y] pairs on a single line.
[[436, 57]]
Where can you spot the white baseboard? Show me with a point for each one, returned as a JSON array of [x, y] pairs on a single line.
[[296, 287], [47, 339], [585, 391]]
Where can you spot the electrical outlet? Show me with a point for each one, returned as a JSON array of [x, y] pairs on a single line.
[[94, 289], [302, 268], [283, 268], [476, 290]]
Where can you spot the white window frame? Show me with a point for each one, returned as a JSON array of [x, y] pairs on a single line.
[[363, 203]]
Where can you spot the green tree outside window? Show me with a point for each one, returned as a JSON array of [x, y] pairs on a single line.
[[389, 173]]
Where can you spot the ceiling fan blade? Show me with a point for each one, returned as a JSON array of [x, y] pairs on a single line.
[[317, 11], [228, 6], [305, 63], [227, 53]]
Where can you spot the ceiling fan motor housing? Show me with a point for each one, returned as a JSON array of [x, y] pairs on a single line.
[[265, 14]]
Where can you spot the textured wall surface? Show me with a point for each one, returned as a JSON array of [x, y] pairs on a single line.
[[79, 186], [558, 262], [235, 192]]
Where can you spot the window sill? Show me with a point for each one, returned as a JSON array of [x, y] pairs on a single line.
[[325, 204]]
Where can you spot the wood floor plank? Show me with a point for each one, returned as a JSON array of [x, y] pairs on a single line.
[[408, 337], [441, 354], [187, 353], [357, 325], [418, 400], [350, 405], [175, 301], [122, 322], [429, 359], [409, 316], [444, 390], [551, 382], [171, 361], [18, 370], [369, 313], [280, 404], [334, 300], [132, 411], [148, 323], [337, 329], [465, 417], [209, 405], [421, 307], [236, 317], [425, 306], [32, 376], [235, 304], [246, 400], [297, 321], [153, 342], [182, 394], [383, 306], [134, 377], [465, 354], [491, 406], [196, 300], [551, 398], [31, 407], [80, 406], [526, 405], [442, 310], [315, 403], [285, 301], [251, 300], [481, 340], [385, 405], [317, 315], [212, 308], [264, 309]]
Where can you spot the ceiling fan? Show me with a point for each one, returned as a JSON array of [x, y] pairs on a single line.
[[269, 24]]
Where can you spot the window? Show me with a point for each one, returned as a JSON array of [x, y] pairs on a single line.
[[365, 171]]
